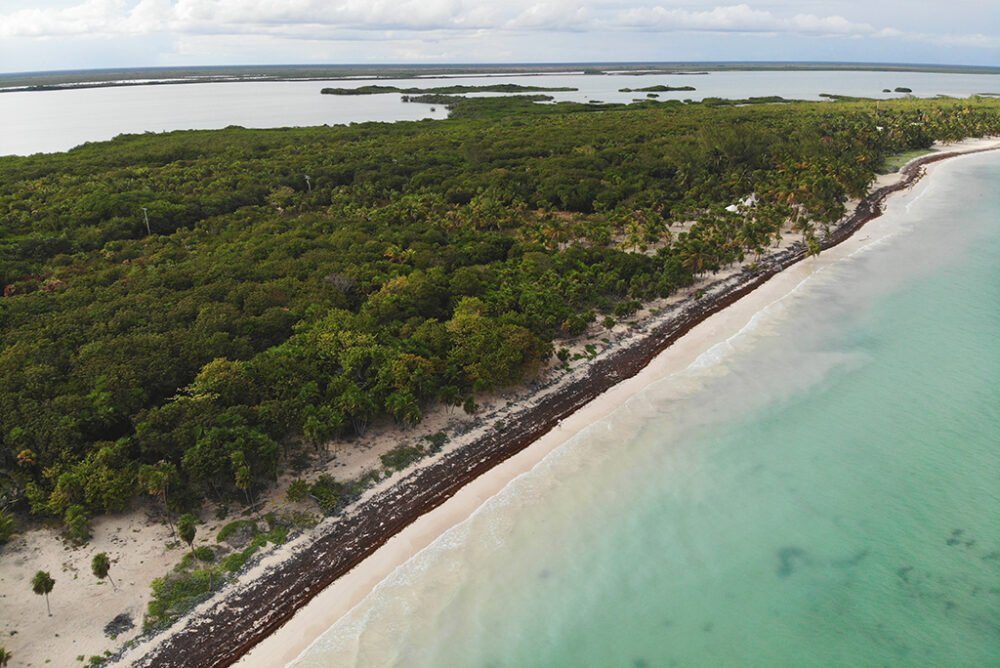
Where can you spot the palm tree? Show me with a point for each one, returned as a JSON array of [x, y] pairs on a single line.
[[100, 565], [42, 585], [5, 657], [243, 479], [156, 479]]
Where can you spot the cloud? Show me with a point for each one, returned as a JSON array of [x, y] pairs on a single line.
[[736, 18], [444, 19]]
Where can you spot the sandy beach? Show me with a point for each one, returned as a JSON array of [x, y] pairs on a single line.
[[141, 550]]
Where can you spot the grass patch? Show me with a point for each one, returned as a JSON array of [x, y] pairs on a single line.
[[400, 457], [174, 595], [894, 163], [234, 527], [202, 553], [178, 592]]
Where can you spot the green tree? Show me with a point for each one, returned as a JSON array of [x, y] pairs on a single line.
[[42, 585], [7, 526], [100, 565], [242, 477], [156, 480], [186, 529], [5, 657], [77, 524]]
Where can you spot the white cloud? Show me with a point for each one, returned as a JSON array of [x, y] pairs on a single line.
[[436, 21], [737, 18], [561, 15]]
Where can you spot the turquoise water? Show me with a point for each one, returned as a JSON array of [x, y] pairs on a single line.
[[821, 490]]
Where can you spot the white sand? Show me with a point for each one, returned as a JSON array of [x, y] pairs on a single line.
[[81, 605]]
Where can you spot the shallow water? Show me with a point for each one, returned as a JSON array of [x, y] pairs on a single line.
[[34, 121], [820, 490]]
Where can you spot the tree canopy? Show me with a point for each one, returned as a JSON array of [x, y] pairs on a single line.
[[418, 263]]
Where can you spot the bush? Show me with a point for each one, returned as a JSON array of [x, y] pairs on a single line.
[[235, 561], [174, 595], [327, 492], [298, 491], [7, 526], [437, 441], [76, 522], [354, 488], [402, 456], [246, 528], [204, 553]]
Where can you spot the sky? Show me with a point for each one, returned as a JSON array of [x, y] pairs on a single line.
[[38, 35]]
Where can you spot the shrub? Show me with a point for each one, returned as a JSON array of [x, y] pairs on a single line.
[[204, 553], [7, 526], [402, 456], [327, 493], [437, 441], [246, 528], [297, 491], [76, 522], [174, 595]]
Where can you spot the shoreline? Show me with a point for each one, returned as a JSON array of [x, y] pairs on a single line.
[[227, 627]]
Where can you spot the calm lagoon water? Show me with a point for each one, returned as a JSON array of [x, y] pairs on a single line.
[[820, 490], [46, 121]]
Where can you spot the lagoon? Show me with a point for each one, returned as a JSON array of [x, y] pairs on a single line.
[[48, 121]]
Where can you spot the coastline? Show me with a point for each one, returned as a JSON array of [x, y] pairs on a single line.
[[412, 513]]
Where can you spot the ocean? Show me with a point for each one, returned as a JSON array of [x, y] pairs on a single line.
[[821, 489]]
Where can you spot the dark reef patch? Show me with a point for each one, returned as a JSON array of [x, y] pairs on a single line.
[[789, 558]]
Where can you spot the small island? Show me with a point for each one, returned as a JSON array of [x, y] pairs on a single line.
[[445, 90], [655, 89]]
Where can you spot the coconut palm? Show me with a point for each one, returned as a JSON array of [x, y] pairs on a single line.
[[42, 585], [156, 480], [100, 565]]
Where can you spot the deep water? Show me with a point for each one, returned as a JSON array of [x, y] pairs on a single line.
[[821, 490]]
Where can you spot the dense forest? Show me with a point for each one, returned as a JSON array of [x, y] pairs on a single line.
[[181, 311]]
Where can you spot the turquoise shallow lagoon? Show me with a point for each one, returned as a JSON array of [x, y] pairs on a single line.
[[821, 490]]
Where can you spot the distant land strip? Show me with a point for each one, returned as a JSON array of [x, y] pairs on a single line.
[[655, 89], [148, 76], [446, 90]]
